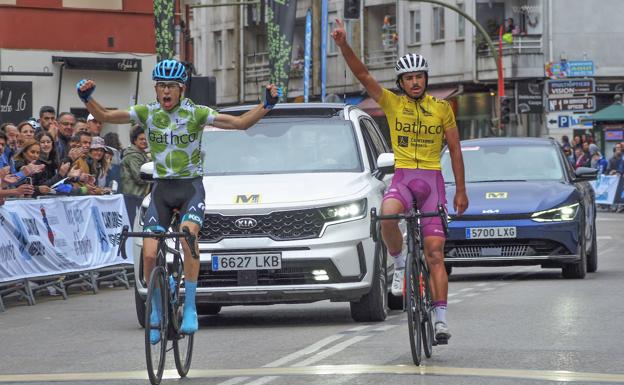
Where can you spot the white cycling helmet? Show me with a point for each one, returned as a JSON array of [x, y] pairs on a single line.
[[411, 63]]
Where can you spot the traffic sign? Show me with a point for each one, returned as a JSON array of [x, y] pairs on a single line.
[[576, 103], [570, 87]]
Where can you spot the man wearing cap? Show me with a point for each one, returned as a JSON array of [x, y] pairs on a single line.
[[95, 126]]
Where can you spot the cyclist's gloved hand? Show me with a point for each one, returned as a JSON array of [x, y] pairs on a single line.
[[86, 94], [269, 100]]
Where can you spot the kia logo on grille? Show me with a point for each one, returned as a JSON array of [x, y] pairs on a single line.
[[245, 223]]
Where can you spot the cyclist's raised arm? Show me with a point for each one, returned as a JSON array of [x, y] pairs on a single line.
[[249, 118], [355, 64], [85, 89]]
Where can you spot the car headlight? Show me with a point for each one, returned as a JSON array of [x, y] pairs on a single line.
[[353, 210], [559, 214]]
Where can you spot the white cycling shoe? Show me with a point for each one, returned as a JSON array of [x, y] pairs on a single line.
[[442, 334], [397, 281]]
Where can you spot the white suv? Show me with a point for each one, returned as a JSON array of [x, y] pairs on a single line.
[[287, 216]]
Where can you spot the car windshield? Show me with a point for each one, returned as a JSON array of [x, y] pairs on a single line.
[[282, 146], [506, 163]]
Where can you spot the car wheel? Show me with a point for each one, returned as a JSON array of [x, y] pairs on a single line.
[[373, 306], [208, 309], [592, 257], [578, 270], [139, 304]]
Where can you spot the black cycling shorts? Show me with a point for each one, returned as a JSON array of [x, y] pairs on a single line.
[[186, 195]]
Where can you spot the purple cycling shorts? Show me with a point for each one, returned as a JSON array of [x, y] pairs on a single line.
[[427, 187]]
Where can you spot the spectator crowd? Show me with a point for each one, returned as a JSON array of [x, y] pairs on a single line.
[[68, 155], [583, 152]]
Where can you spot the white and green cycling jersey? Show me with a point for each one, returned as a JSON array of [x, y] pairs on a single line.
[[174, 136]]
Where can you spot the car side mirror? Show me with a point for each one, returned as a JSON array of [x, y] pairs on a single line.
[[147, 171], [385, 163], [585, 174]]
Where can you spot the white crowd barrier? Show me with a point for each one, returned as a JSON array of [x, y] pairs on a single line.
[[41, 239]]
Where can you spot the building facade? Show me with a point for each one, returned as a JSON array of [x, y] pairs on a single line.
[[230, 44], [47, 46]]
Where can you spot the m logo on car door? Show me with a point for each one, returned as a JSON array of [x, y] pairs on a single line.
[[496, 195]]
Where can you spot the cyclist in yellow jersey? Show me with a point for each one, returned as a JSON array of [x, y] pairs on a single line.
[[419, 123]]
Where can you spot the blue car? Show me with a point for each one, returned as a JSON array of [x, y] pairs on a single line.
[[528, 206]]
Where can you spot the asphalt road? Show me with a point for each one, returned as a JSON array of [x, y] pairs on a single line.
[[516, 325]]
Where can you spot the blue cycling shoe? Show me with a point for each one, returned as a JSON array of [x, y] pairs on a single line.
[[189, 320]]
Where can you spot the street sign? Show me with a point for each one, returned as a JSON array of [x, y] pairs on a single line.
[[576, 103], [565, 69], [555, 88], [530, 98]]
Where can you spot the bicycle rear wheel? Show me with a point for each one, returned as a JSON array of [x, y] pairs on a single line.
[[413, 305], [155, 353], [182, 343], [427, 321]]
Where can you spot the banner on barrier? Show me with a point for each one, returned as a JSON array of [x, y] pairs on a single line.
[[606, 189], [61, 235]]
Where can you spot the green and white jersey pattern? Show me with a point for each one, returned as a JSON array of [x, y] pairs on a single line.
[[174, 137]]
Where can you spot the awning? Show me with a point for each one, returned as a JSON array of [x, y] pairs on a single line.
[[97, 63], [613, 113], [371, 107]]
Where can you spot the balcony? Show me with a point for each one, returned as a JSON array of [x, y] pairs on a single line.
[[522, 44], [523, 58], [257, 66]]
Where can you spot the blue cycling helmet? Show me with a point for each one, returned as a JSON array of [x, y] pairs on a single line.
[[169, 70]]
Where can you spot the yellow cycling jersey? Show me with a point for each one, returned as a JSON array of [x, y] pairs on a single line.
[[417, 129]]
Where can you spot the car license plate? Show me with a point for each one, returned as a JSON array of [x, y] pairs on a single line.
[[264, 261], [490, 232]]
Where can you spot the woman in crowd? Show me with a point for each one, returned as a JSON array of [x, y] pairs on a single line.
[[99, 164], [55, 170], [26, 132]]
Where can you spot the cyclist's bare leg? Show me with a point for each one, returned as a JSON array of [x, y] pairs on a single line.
[[434, 253], [149, 257], [150, 247], [390, 232], [191, 272], [191, 265]]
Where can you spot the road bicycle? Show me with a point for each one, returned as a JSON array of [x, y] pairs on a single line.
[[417, 297], [167, 279]]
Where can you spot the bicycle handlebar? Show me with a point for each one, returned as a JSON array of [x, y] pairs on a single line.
[[412, 215], [185, 233]]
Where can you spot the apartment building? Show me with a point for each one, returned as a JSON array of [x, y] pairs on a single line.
[[230, 43]]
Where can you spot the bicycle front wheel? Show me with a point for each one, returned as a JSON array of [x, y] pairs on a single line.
[[413, 301], [155, 350], [427, 308]]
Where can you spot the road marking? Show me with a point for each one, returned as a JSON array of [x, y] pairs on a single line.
[[609, 219], [384, 328], [333, 350], [599, 237], [334, 370]]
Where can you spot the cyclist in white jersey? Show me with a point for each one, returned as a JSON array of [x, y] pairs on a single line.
[[174, 127]]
